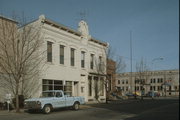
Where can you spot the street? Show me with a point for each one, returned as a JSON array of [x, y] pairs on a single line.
[[148, 109]]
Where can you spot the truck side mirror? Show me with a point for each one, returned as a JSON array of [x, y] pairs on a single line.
[[58, 94]]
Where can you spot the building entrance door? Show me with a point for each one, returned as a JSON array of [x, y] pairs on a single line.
[[76, 91]]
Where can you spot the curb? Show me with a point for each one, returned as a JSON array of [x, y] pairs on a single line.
[[6, 112], [85, 106]]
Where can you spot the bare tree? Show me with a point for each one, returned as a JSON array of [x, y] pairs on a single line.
[[115, 65], [119, 61], [106, 71], [141, 76], [120, 64], [168, 82], [19, 56]]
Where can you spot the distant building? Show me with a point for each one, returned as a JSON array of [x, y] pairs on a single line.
[[165, 82]]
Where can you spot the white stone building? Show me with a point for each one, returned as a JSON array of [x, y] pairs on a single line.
[[165, 82], [71, 60]]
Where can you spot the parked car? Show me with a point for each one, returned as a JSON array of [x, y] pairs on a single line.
[[133, 94], [153, 94], [129, 94], [137, 93], [53, 99]]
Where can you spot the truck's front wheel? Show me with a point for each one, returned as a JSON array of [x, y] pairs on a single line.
[[76, 106], [47, 109]]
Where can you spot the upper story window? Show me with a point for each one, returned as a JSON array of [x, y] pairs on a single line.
[[122, 81], [151, 80], [100, 63], [61, 54], [92, 61], [126, 81], [49, 51], [161, 80], [119, 82], [137, 81], [151, 87], [72, 59], [82, 59], [154, 87], [142, 81], [154, 80]]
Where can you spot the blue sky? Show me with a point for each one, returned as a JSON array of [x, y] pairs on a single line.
[[154, 25]]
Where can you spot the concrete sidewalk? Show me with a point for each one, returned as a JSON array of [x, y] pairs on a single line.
[[6, 112], [22, 111]]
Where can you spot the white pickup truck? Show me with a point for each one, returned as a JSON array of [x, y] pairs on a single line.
[[53, 99]]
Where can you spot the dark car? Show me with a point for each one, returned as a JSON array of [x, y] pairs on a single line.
[[129, 94]]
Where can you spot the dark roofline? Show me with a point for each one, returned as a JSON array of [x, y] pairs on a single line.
[[168, 70], [98, 41], [62, 27], [69, 30], [9, 19]]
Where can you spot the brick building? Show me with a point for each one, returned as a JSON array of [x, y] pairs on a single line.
[[111, 76]]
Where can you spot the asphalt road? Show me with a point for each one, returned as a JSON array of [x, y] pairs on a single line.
[[163, 109], [159, 109]]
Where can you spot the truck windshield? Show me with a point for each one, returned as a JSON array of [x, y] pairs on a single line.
[[48, 94]]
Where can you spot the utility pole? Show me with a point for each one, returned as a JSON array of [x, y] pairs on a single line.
[[135, 86], [131, 59]]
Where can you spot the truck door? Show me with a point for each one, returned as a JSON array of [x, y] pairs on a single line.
[[59, 100]]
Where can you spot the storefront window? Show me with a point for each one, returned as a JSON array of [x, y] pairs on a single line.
[[57, 85]]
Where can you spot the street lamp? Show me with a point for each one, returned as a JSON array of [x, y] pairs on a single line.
[[155, 59], [160, 58]]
